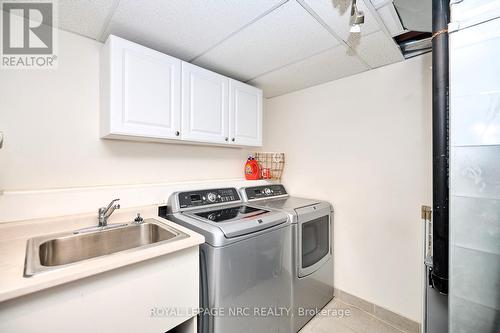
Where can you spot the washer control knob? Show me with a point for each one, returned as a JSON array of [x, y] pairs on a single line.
[[267, 191], [211, 197]]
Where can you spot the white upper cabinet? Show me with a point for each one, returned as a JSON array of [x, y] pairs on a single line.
[[246, 114], [140, 91], [205, 105], [148, 95]]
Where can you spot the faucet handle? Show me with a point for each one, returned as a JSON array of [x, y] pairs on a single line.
[[139, 218], [105, 212], [112, 202]]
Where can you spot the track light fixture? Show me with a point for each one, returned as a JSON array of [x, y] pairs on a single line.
[[357, 18]]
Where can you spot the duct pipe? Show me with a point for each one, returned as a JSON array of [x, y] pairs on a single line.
[[440, 144]]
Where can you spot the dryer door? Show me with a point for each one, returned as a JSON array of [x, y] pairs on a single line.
[[314, 229]]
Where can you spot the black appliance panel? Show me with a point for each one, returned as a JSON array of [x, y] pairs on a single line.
[[207, 197], [265, 191]]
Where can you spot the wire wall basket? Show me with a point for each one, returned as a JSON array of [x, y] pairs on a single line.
[[271, 164]]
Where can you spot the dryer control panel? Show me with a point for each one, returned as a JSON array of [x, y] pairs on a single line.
[[265, 191], [208, 197]]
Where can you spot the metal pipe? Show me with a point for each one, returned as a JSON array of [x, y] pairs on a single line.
[[440, 144]]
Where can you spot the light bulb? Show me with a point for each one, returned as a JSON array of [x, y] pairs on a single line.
[[356, 28]]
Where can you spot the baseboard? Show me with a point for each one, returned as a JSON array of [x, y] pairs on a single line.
[[398, 321]]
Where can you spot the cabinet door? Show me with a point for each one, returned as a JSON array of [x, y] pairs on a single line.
[[205, 105], [144, 91], [246, 114]]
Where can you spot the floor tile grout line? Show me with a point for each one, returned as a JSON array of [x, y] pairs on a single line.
[[373, 315], [311, 325]]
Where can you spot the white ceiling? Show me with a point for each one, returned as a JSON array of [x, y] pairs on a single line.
[[278, 45], [282, 37]]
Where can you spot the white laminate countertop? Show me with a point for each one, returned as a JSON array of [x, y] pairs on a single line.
[[14, 235]]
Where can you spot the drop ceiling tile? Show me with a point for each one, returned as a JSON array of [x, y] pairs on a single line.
[[329, 65], [416, 15], [376, 49], [181, 28], [84, 17], [286, 35], [336, 14], [390, 17], [380, 3]]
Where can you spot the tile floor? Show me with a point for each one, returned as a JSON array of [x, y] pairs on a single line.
[[335, 319]]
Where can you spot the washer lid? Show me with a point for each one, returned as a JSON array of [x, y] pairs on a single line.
[[274, 196], [289, 203], [239, 220], [229, 214]]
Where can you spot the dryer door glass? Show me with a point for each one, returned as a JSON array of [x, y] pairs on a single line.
[[315, 241]]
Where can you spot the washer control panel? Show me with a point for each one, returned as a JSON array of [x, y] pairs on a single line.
[[265, 191], [207, 197]]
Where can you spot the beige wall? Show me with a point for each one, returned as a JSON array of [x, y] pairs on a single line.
[[50, 120], [364, 143]]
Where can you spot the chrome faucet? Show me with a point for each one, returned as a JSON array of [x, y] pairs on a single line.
[[105, 212]]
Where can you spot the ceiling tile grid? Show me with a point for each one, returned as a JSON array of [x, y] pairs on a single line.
[[181, 28], [336, 14], [330, 65], [279, 45], [87, 18], [285, 36], [376, 49], [390, 17]]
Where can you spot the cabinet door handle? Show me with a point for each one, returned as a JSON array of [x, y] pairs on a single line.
[[233, 139], [177, 133], [227, 139]]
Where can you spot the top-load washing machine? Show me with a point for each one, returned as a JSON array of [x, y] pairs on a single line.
[[312, 253], [245, 262]]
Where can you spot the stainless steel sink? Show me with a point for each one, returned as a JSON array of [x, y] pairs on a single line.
[[50, 252]]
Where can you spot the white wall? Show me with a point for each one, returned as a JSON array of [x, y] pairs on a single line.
[[50, 120], [370, 157], [364, 144]]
